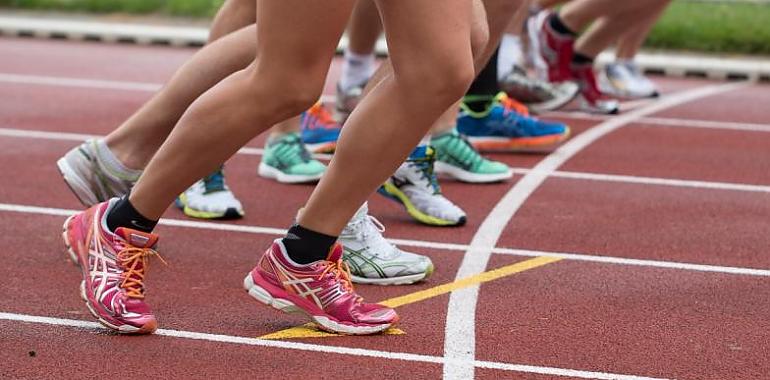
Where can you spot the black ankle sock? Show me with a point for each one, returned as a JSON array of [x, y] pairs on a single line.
[[123, 214], [305, 246], [557, 25], [582, 59], [484, 87]]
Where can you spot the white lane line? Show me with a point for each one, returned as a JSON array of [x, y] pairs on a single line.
[[669, 122], [653, 181], [79, 137], [460, 332], [79, 83], [330, 98], [228, 227], [692, 267], [326, 349], [64, 136], [707, 124]]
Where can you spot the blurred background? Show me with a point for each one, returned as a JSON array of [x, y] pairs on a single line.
[[715, 26]]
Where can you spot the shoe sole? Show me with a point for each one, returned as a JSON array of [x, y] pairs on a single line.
[[78, 187], [491, 144], [556, 103], [324, 323], [267, 171], [327, 147], [392, 192], [402, 280], [586, 107], [470, 177], [123, 329]]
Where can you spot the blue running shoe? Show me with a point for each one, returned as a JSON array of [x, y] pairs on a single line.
[[319, 130], [506, 125]]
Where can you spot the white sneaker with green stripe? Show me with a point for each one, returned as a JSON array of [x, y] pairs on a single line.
[[92, 177], [457, 158], [415, 186], [286, 160], [374, 260], [210, 198]]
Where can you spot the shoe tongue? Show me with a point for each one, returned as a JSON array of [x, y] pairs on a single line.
[[335, 253], [419, 152], [362, 212], [136, 238]]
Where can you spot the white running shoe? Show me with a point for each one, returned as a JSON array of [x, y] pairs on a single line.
[[625, 80], [210, 198], [346, 101], [374, 260], [90, 178], [415, 186]]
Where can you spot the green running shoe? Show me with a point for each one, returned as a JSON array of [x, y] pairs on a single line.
[[286, 160], [457, 158]]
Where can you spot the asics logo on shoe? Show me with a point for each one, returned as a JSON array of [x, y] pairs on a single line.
[[322, 300]]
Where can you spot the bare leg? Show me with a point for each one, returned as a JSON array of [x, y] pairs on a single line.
[[293, 56], [364, 28], [233, 15], [630, 42], [606, 30], [139, 137], [577, 14], [430, 50]]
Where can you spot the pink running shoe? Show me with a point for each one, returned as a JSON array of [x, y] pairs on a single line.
[[113, 267], [321, 290]]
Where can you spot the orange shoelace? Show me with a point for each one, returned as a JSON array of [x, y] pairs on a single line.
[[341, 272], [133, 277], [513, 104], [323, 115]]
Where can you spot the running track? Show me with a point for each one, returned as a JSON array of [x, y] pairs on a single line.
[[637, 250]]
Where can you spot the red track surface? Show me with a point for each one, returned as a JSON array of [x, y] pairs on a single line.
[[599, 317]]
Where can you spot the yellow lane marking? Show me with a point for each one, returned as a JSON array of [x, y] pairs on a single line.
[[309, 331], [470, 281]]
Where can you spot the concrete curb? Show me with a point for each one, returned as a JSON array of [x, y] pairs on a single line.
[[668, 64]]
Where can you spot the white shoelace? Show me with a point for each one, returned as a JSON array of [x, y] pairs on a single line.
[[369, 230]]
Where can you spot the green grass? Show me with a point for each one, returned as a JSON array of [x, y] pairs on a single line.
[[727, 27], [714, 27]]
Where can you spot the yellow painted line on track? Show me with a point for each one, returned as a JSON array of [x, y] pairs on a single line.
[[309, 331]]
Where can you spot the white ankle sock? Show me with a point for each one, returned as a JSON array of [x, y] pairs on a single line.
[[356, 69], [112, 164]]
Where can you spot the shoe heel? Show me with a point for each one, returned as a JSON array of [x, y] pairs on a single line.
[[260, 294], [67, 244], [80, 189]]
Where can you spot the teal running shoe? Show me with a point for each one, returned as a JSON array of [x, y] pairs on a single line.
[[286, 160], [457, 158]]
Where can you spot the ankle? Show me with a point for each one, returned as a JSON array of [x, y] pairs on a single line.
[[304, 246], [124, 214]]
